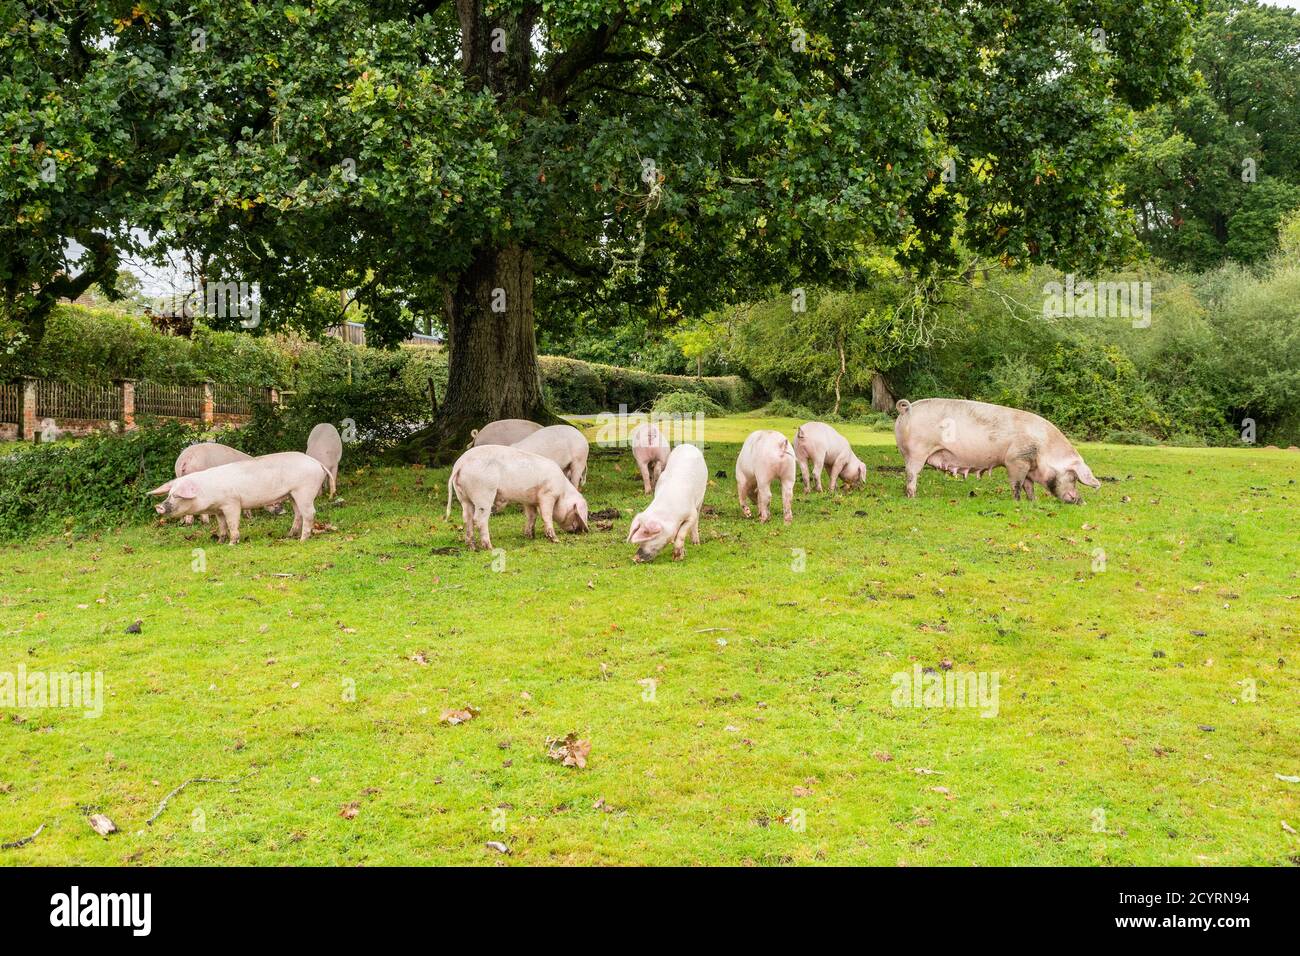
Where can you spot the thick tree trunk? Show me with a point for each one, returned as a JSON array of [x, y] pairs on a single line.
[[492, 355], [882, 397]]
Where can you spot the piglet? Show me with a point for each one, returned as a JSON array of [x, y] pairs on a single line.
[[564, 445], [503, 431], [325, 445], [765, 457], [650, 448], [822, 446], [499, 474], [256, 483], [675, 510]]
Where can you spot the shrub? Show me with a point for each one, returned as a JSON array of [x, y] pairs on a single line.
[[580, 388], [1122, 437], [93, 483], [784, 408], [687, 403]]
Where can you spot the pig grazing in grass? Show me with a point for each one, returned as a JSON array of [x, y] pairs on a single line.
[[959, 437], [504, 431], [201, 457], [820, 445], [227, 490], [499, 475], [650, 448], [765, 457], [325, 445], [675, 510], [564, 445]]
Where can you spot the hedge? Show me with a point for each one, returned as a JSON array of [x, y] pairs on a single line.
[[578, 387], [99, 345]]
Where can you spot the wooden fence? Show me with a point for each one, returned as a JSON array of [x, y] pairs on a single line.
[[169, 401], [237, 399], [80, 409], [63, 400], [10, 397]]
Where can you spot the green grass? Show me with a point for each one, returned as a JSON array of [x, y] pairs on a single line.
[[768, 678]]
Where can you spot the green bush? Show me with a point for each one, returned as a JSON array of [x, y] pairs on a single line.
[[93, 483], [784, 408], [578, 388], [687, 403], [1122, 437]]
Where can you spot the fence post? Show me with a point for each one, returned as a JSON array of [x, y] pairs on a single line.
[[127, 385], [207, 404], [273, 396], [27, 416]]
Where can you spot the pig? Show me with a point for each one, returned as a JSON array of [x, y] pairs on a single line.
[[505, 431], [675, 510], [650, 448], [227, 490], [564, 445], [959, 436], [766, 456], [325, 445], [822, 446], [492, 475], [205, 455]]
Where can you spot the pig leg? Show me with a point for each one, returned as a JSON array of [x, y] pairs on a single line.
[[547, 505], [1016, 472], [467, 519], [695, 526], [232, 514], [744, 490], [764, 503], [787, 498], [807, 484], [296, 528], [644, 468], [914, 466], [221, 527], [818, 464], [481, 515], [530, 521], [1028, 485], [304, 509], [679, 541], [835, 473]]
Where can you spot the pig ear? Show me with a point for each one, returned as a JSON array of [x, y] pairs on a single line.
[[636, 526], [185, 488], [163, 489], [647, 531]]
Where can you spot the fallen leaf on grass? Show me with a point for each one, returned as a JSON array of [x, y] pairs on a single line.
[[802, 792], [925, 770], [349, 811], [884, 756], [101, 824], [498, 846], [1286, 779], [1288, 828], [419, 658], [569, 750], [454, 717], [322, 527]]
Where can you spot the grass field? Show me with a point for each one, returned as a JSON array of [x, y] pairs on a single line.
[[1144, 647]]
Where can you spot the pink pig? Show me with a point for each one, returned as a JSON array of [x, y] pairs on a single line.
[[675, 511], [959, 436], [765, 457], [650, 449], [256, 483], [822, 446]]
